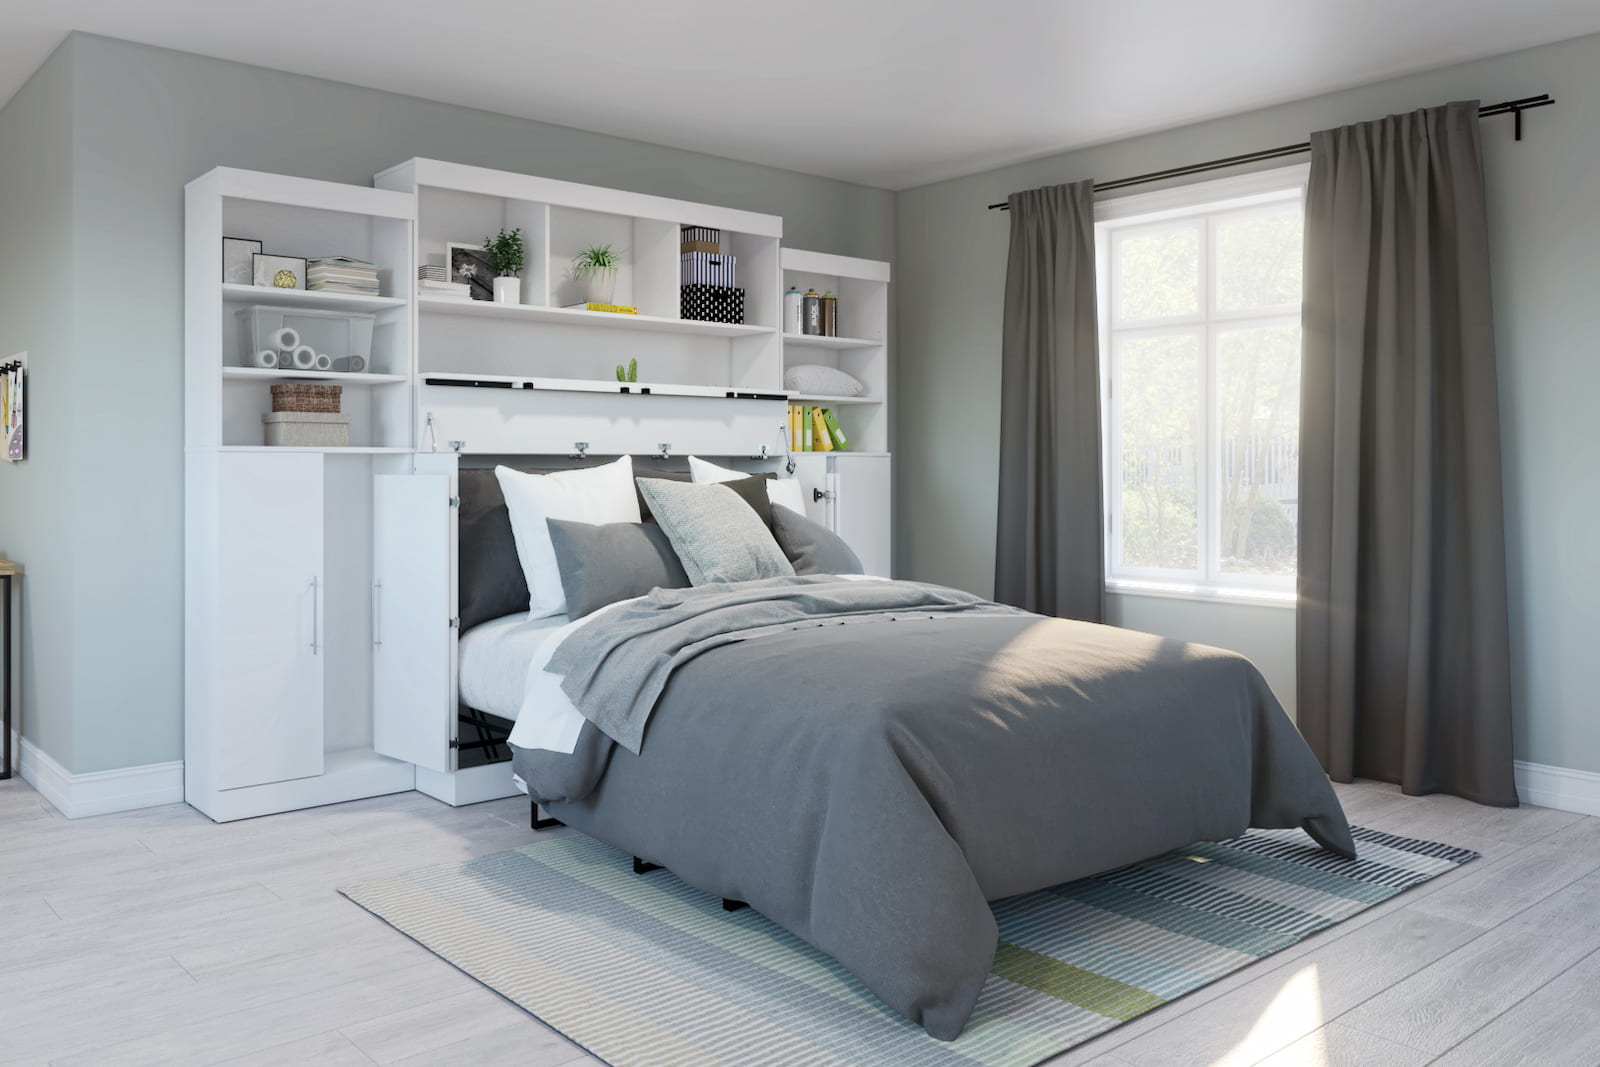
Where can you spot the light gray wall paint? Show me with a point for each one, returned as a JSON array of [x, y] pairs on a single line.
[[37, 257], [1545, 233], [145, 122]]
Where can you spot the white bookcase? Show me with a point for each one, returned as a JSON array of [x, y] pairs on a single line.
[[321, 595], [278, 550]]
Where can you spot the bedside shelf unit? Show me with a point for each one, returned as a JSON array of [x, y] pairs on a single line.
[[278, 551], [862, 286]]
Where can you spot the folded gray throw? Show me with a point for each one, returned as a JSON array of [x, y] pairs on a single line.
[[616, 667]]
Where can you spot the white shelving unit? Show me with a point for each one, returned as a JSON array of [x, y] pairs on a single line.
[[278, 550], [542, 339], [861, 350]]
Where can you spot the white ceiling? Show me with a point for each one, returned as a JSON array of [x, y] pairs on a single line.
[[888, 94]]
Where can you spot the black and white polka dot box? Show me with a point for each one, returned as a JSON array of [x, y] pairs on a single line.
[[712, 303]]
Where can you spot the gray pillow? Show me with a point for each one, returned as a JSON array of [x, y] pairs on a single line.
[[601, 565], [810, 546], [718, 537]]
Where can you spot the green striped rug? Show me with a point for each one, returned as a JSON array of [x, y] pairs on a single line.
[[645, 970]]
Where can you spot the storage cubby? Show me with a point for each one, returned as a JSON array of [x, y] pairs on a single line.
[[861, 348]]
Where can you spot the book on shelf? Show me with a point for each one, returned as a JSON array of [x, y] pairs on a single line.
[[840, 441], [614, 309], [821, 441], [340, 274]]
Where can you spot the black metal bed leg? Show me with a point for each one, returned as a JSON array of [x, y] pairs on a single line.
[[542, 824], [733, 905], [644, 866]]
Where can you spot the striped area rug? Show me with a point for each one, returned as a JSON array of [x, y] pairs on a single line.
[[644, 970]]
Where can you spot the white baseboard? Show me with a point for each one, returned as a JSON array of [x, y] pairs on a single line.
[[1558, 787], [78, 796]]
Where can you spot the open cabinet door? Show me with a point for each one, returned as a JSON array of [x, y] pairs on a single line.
[[414, 705]]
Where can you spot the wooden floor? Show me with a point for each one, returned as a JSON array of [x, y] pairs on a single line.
[[159, 937]]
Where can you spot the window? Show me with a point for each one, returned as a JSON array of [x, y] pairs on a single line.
[[1200, 351]]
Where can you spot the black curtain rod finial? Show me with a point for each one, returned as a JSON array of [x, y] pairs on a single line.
[[1514, 108]]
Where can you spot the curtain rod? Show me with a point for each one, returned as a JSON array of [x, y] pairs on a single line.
[[1508, 107]]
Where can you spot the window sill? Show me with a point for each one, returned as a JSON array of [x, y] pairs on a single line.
[[1259, 598]]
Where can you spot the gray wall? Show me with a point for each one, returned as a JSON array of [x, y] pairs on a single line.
[[145, 121], [37, 256], [1546, 245]]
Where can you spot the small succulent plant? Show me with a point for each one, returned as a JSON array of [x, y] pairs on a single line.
[[629, 373]]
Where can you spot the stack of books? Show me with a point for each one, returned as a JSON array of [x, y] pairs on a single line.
[[340, 274], [433, 282], [814, 429]]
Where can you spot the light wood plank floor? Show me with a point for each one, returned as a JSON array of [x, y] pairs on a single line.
[[158, 937]]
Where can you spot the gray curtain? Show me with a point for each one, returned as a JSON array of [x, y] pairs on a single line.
[[1403, 649], [1050, 542]]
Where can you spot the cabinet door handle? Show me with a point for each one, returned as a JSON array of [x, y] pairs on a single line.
[[819, 495], [316, 615], [377, 608]]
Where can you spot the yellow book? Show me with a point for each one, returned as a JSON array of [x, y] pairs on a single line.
[[615, 309], [819, 433]]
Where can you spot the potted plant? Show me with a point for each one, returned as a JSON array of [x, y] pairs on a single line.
[[507, 257], [595, 268]]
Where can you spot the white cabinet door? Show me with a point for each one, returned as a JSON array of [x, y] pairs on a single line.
[[266, 719], [413, 685], [862, 505], [811, 469]]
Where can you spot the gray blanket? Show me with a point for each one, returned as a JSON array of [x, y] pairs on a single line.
[[615, 673], [871, 788]]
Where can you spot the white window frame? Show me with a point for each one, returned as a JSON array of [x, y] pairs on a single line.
[[1236, 196]]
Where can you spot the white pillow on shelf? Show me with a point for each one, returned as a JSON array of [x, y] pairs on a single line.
[[595, 495], [785, 491], [817, 379]]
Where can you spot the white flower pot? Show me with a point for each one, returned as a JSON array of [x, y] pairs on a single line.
[[599, 286], [508, 290]]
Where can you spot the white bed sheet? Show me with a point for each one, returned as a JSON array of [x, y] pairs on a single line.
[[494, 657]]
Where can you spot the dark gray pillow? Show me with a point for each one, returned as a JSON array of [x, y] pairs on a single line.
[[601, 565], [752, 490], [810, 546], [491, 583]]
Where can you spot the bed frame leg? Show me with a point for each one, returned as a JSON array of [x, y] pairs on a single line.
[[733, 905], [644, 867], [545, 823]]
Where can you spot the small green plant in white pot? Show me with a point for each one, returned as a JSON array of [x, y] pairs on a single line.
[[507, 256], [595, 268]]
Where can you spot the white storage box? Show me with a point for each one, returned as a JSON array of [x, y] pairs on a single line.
[[336, 334], [306, 429]]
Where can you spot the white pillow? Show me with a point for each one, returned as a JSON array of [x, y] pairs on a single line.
[[596, 495], [785, 491], [820, 380]]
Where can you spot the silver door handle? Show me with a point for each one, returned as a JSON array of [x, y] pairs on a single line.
[[377, 605], [316, 614]]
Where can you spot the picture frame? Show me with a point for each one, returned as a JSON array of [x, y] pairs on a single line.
[[278, 272], [469, 264], [238, 264]]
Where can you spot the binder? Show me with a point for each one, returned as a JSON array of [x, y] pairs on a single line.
[[824, 442]]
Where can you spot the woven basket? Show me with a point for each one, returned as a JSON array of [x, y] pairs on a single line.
[[319, 399]]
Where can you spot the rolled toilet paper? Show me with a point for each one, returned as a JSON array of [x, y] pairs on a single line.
[[266, 359], [301, 357], [350, 364], [285, 340], [324, 361]]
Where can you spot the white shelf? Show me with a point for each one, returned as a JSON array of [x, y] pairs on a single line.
[[303, 298], [259, 374], [600, 385], [811, 340], [350, 449], [825, 401], [579, 317]]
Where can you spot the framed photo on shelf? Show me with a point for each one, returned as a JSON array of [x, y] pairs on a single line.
[[238, 263], [278, 272], [469, 265]]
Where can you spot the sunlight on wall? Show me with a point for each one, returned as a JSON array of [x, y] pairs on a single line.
[[1295, 1012]]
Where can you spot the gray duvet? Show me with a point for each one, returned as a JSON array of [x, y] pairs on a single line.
[[872, 786]]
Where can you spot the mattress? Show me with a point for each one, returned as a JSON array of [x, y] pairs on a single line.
[[494, 661]]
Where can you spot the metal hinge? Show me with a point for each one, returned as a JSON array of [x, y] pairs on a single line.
[[455, 622], [455, 742], [455, 502]]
